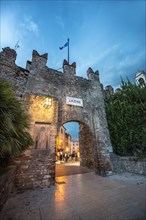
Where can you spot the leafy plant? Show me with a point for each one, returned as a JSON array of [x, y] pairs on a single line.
[[126, 116], [14, 123]]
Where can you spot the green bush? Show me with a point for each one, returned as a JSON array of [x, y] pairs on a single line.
[[14, 122], [126, 116]]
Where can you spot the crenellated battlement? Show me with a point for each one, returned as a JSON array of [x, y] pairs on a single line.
[[69, 69], [38, 78], [8, 56], [37, 65], [42, 59], [93, 75]]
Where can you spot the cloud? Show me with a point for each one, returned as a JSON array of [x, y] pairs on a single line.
[[14, 29], [60, 22], [28, 25], [122, 64], [93, 59], [23, 29], [113, 63], [33, 27]]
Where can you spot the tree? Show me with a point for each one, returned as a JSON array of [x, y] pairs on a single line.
[[126, 116], [14, 123]]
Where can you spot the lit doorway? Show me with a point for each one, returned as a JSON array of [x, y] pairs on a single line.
[[67, 144]]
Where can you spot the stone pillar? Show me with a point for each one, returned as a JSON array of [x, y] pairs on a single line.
[[103, 165], [86, 147]]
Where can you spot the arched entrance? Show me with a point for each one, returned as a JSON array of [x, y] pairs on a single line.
[[73, 99], [55, 98], [80, 149]]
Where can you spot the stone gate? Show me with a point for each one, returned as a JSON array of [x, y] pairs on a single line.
[[54, 98]]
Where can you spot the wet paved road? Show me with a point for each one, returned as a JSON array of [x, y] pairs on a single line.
[[82, 196], [70, 168]]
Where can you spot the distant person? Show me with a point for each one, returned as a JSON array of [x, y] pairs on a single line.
[[73, 156], [76, 157], [61, 157], [66, 157]]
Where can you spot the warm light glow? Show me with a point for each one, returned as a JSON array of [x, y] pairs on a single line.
[[58, 142], [67, 149], [47, 102]]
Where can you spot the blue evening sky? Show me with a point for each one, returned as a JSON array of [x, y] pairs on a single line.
[[108, 36]]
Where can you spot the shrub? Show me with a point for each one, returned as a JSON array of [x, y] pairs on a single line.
[[126, 116], [14, 123]]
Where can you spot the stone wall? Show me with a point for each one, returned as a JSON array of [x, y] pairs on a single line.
[[16, 75], [41, 115], [36, 169], [86, 147], [40, 81], [6, 183], [33, 168], [128, 164]]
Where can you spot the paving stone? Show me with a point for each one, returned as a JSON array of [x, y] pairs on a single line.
[[79, 198]]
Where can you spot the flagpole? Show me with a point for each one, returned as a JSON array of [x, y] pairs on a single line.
[[68, 49]]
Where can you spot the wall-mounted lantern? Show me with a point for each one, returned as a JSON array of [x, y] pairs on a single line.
[[47, 102]]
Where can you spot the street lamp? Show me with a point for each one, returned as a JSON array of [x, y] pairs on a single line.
[[47, 102]]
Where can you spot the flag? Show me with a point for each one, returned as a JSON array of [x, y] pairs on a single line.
[[65, 45]]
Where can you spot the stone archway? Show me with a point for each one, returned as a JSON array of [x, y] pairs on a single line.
[[86, 144], [73, 98]]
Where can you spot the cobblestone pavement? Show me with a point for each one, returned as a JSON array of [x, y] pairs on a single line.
[[82, 196]]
